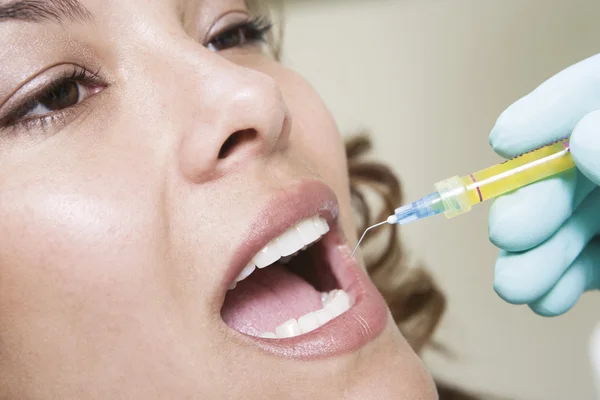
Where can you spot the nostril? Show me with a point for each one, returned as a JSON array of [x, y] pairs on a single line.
[[236, 139]]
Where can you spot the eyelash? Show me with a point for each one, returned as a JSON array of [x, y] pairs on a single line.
[[17, 117], [251, 32]]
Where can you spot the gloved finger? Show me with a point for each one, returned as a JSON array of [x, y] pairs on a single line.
[[550, 112], [524, 277], [582, 275], [523, 219], [585, 146]]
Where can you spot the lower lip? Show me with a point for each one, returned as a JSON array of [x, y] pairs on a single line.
[[352, 330]]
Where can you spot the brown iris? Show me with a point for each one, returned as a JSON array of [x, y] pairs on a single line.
[[61, 97]]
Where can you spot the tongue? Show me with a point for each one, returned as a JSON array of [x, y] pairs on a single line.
[[268, 298]]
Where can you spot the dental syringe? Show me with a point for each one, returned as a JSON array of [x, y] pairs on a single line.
[[457, 195]]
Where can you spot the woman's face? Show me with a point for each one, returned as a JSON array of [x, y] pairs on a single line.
[[150, 153]]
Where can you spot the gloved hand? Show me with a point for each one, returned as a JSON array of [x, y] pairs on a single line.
[[549, 232]]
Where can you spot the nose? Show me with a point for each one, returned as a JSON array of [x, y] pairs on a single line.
[[239, 115]]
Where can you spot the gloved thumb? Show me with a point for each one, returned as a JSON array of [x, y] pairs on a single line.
[[585, 146]]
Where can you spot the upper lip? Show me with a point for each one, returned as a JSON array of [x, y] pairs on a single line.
[[305, 199]]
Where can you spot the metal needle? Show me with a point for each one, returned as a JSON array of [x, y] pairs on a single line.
[[363, 236]]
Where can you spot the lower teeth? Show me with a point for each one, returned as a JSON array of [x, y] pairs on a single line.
[[335, 303]]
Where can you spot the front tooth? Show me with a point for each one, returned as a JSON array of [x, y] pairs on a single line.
[[339, 304], [308, 323], [308, 231], [323, 316], [246, 272], [321, 225], [327, 298], [267, 256], [268, 335], [325, 225], [288, 329], [290, 242]]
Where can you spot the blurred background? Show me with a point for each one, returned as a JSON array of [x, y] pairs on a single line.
[[429, 78]]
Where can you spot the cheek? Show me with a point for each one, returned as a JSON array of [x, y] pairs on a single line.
[[72, 236], [80, 256]]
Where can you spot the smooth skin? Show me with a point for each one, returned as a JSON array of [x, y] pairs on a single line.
[[549, 232], [119, 218]]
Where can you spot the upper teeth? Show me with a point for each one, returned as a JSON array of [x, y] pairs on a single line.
[[297, 238]]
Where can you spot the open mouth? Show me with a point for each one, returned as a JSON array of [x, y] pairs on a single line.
[[295, 291], [289, 288]]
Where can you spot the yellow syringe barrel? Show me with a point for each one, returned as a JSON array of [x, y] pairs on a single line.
[[459, 194]]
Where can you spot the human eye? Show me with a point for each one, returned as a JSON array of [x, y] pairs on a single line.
[[54, 100], [242, 34]]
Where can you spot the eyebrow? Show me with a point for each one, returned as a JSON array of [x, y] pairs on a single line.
[[39, 11]]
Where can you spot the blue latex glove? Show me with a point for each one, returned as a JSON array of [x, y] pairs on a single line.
[[549, 232]]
